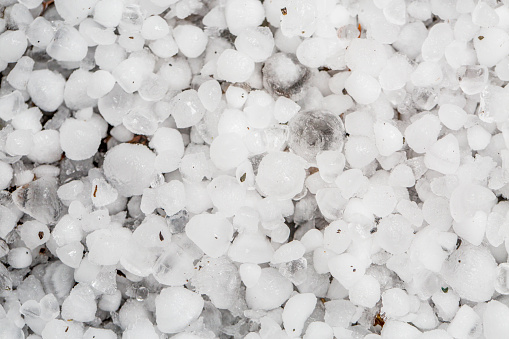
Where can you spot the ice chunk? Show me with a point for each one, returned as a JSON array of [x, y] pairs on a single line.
[[71, 254], [281, 175], [339, 313], [100, 84], [129, 168], [399, 330], [494, 325], [155, 27], [296, 311], [473, 79], [67, 45], [250, 273], [271, 290], [130, 73], [471, 272], [380, 200], [176, 308], [6, 174], [11, 105], [311, 132], [39, 200], [234, 66], [46, 88], [98, 333], [212, 233], [190, 39]]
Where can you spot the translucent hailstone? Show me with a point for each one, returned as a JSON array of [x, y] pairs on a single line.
[[176, 308], [473, 79], [281, 175], [12, 45], [191, 40], [366, 55], [241, 14], [174, 267], [311, 132], [471, 272], [284, 76], [212, 233], [271, 290], [257, 43], [234, 66], [46, 88], [187, 109], [362, 87], [67, 45], [129, 168], [39, 200], [79, 139]]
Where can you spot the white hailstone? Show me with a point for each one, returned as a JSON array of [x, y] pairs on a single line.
[[399, 330], [296, 311], [271, 290], [422, 133], [427, 74], [107, 246], [19, 142], [439, 36], [388, 138], [491, 45], [285, 109], [447, 304], [210, 94], [228, 151], [336, 237], [256, 42], [34, 233], [227, 195], [281, 175], [380, 200], [240, 14], [46, 88], [395, 73], [234, 66], [57, 328], [98, 333], [101, 83], [312, 52], [471, 272], [300, 19], [19, 257], [20, 74], [478, 138], [71, 254], [395, 303], [250, 274], [233, 121], [80, 304], [12, 45], [164, 47], [40, 32], [288, 252], [330, 164], [402, 176], [360, 151], [46, 147], [362, 87], [366, 55], [319, 329], [102, 193], [107, 57], [171, 197], [130, 73], [191, 40], [29, 120], [176, 308], [6, 174], [212, 233], [465, 322], [129, 168], [67, 45], [452, 116], [79, 139], [251, 247], [394, 234], [236, 97], [346, 268], [70, 190], [154, 27], [108, 12], [187, 109], [494, 323], [444, 155], [366, 292]]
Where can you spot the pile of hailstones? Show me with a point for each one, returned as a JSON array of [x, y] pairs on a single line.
[[254, 169]]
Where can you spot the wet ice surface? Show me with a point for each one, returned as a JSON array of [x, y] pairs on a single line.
[[254, 169]]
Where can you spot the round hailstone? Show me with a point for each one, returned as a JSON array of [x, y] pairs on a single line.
[[19, 257], [366, 55], [395, 234], [256, 42], [271, 290], [296, 311], [281, 175], [495, 322], [452, 116], [210, 94], [360, 151], [471, 272], [12, 45], [212, 233], [101, 83], [227, 151], [187, 109], [19, 142], [388, 138], [129, 168], [491, 45], [240, 14], [322, 330], [347, 269], [46, 147], [234, 66], [176, 308], [154, 27], [191, 40], [67, 45], [366, 292], [362, 87], [444, 155], [79, 139], [46, 88]]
